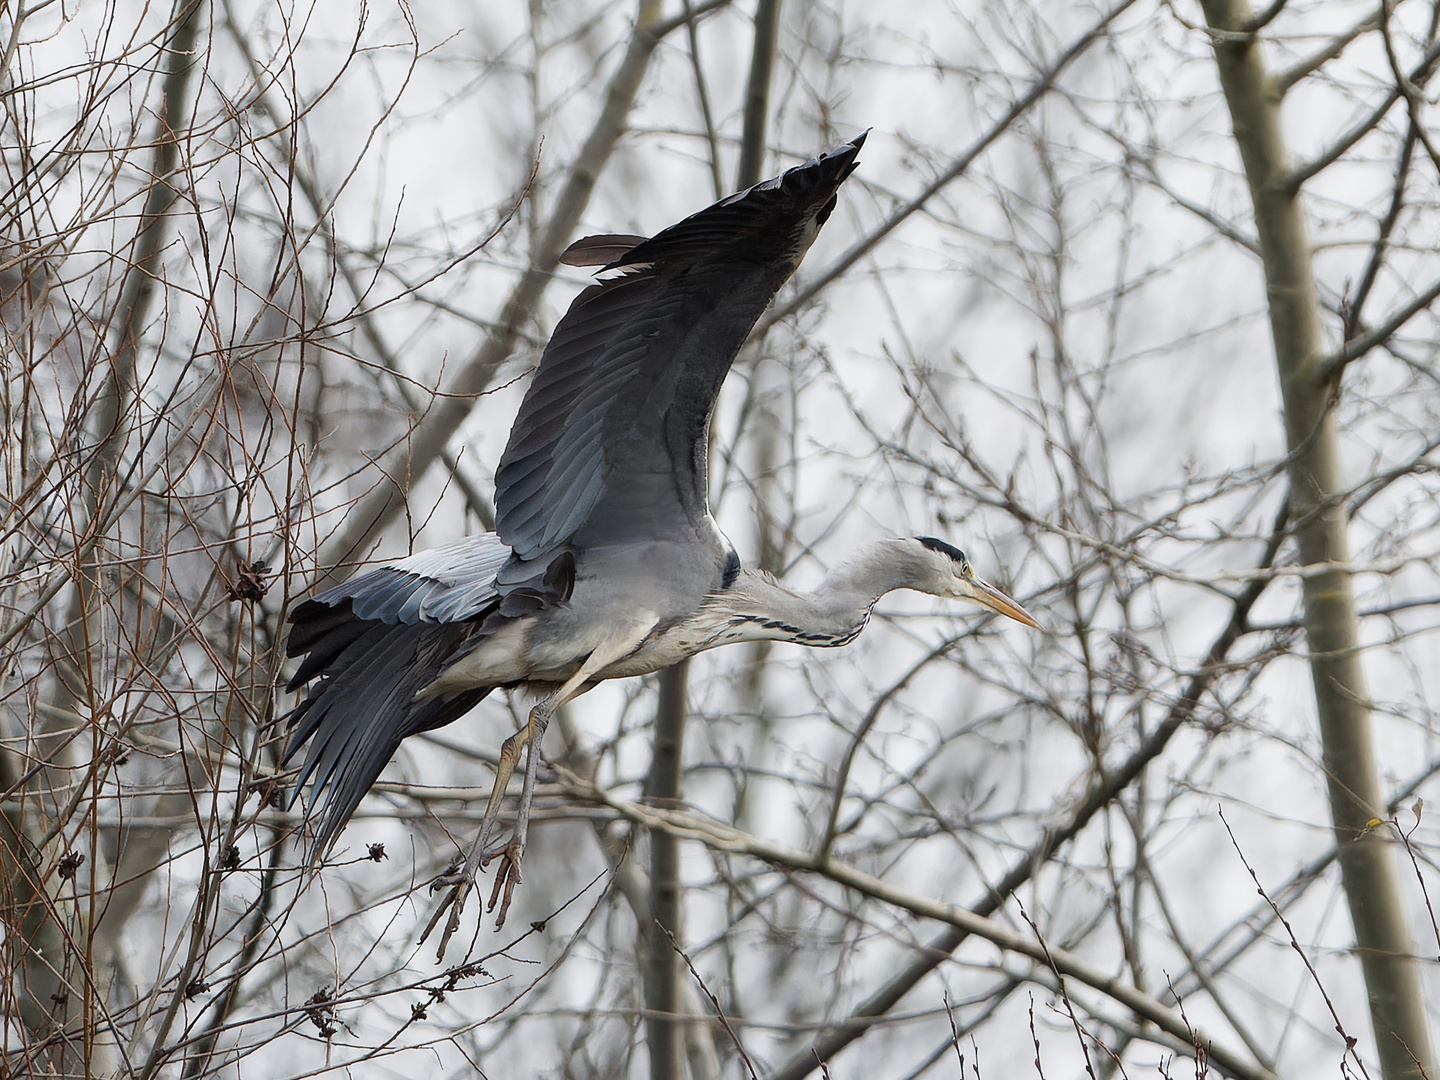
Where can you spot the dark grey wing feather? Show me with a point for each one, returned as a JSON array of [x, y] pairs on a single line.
[[384, 670], [374, 643], [550, 475], [600, 250], [610, 442]]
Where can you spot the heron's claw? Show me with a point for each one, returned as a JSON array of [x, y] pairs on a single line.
[[507, 876], [451, 875], [459, 878], [453, 902]]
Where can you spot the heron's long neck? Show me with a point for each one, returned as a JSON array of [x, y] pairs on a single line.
[[759, 607]]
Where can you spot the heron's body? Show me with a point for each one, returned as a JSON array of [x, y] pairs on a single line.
[[613, 595], [742, 605], [605, 561]]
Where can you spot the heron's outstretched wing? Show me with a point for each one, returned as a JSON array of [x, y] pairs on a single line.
[[610, 442], [375, 642]]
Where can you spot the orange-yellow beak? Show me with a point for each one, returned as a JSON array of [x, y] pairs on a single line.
[[997, 601]]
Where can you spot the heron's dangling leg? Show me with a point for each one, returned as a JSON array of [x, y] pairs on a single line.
[[504, 769], [462, 880], [529, 738], [508, 876]]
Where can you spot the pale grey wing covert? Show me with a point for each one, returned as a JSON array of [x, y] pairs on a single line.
[[445, 584]]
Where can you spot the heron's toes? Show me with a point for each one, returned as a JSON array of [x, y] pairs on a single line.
[[452, 875], [459, 878], [454, 903], [507, 876]]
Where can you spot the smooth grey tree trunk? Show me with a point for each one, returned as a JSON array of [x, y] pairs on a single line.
[[1367, 862], [664, 1022]]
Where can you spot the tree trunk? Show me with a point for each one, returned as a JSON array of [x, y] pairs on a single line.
[[663, 1025], [49, 964], [1368, 869], [662, 997]]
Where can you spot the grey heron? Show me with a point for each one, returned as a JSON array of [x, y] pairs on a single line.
[[605, 561]]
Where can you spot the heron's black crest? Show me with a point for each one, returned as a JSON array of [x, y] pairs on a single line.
[[945, 549]]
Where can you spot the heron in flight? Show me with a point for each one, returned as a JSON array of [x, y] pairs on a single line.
[[605, 561]]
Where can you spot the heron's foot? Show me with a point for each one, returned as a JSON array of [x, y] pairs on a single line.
[[460, 871], [449, 876], [460, 883], [507, 876], [459, 878]]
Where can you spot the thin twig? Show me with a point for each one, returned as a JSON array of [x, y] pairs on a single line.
[[1350, 1041], [715, 1002]]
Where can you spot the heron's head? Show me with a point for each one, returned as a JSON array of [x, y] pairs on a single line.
[[947, 572]]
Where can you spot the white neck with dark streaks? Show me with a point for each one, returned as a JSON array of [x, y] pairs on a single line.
[[757, 607]]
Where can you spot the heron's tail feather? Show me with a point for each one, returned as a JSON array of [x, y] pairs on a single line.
[[363, 704]]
